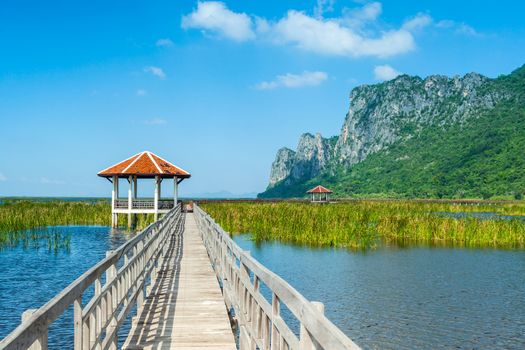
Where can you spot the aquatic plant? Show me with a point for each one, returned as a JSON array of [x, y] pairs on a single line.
[[364, 224], [21, 219]]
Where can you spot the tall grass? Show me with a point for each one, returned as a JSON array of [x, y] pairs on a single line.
[[365, 224], [21, 220]]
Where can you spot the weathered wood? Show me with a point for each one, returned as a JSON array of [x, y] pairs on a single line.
[[260, 321], [182, 307], [185, 308], [307, 341], [89, 325], [78, 323], [41, 342]]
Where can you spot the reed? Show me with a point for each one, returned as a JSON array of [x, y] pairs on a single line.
[[21, 220], [366, 224]]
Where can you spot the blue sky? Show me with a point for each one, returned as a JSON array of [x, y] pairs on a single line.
[[215, 87]]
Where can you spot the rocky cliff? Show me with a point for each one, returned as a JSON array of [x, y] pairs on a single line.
[[313, 155], [384, 114]]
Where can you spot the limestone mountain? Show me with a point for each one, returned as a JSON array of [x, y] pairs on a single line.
[[396, 126]]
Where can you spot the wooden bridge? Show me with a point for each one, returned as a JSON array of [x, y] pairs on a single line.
[[192, 288]]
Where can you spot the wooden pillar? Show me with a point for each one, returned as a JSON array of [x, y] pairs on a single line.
[[156, 200], [114, 197], [134, 216], [175, 191], [130, 199]]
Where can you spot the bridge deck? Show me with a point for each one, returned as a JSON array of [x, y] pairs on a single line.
[[185, 309]]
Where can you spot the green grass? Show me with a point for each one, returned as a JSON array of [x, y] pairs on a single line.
[[366, 224], [21, 220]]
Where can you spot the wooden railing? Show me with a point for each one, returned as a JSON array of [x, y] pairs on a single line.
[[119, 280], [261, 324], [144, 204]]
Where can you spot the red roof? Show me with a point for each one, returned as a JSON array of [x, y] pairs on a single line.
[[320, 189], [144, 164]]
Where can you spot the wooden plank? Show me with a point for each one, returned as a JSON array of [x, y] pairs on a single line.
[[185, 309], [319, 328]]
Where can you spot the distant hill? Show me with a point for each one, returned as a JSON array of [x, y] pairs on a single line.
[[439, 137], [223, 195]]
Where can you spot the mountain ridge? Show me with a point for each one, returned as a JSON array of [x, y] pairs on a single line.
[[383, 117]]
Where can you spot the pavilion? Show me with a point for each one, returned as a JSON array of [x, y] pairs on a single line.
[[320, 194], [144, 165]]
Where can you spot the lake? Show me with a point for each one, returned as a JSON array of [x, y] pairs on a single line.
[[410, 298], [388, 298], [31, 277]]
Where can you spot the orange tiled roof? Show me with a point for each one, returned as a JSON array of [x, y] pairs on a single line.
[[319, 189], [144, 164]]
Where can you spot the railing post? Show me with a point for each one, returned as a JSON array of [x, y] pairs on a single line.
[[41, 341], [111, 273], [245, 341], [77, 316], [141, 262], [275, 339], [306, 339]]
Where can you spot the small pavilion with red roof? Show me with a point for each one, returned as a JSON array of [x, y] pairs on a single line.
[[143, 165], [320, 194]]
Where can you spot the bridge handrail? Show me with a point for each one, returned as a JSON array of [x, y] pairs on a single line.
[[96, 323], [261, 323]]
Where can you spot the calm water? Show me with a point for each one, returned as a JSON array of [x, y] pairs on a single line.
[[30, 277], [389, 298], [414, 298], [481, 215]]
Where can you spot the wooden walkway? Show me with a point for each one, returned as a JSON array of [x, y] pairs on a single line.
[[185, 309], [182, 306]]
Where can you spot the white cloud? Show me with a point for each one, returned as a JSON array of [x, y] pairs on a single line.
[[385, 72], [419, 21], [459, 28], [2, 177], [357, 17], [330, 37], [46, 181], [156, 121], [155, 71], [141, 92], [322, 7], [164, 42], [341, 36], [215, 17], [465, 29], [294, 80], [446, 23]]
